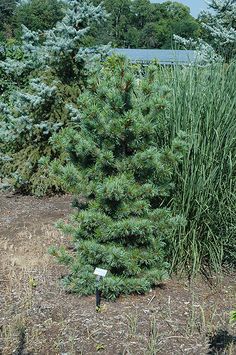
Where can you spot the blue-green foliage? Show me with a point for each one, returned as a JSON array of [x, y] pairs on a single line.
[[63, 47], [50, 74], [17, 68], [220, 25], [123, 175]]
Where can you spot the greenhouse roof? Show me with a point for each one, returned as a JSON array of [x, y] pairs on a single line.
[[163, 56]]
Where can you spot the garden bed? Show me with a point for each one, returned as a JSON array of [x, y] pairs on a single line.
[[37, 316]]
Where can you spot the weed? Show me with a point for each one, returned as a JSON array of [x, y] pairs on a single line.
[[154, 339], [132, 323]]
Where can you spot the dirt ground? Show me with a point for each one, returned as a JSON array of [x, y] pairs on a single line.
[[37, 316]]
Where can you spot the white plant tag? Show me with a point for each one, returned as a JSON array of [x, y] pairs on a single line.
[[100, 272]]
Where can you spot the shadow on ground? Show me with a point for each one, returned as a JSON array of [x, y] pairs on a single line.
[[220, 342]]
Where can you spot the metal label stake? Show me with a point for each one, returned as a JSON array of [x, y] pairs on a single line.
[[100, 273]]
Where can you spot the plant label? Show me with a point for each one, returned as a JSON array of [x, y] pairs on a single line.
[[100, 272]]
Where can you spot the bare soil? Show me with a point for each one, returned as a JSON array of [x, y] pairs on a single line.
[[37, 316]]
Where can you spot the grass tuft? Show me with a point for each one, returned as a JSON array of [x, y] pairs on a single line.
[[203, 104]]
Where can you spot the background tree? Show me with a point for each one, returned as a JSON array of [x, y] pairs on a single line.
[[130, 22], [119, 11], [219, 40], [172, 18], [121, 167], [140, 23], [153, 35], [38, 15], [51, 73], [141, 11], [7, 8]]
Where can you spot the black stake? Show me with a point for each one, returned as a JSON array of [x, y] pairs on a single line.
[[98, 295], [100, 273]]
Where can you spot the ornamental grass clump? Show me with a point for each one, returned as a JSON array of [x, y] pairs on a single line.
[[123, 175], [204, 106]]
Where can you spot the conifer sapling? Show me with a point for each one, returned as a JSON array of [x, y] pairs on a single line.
[[123, 175]]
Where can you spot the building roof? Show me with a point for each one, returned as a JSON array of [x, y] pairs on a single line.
[[163, 56]]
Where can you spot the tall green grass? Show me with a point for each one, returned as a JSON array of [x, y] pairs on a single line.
[[203, 104]]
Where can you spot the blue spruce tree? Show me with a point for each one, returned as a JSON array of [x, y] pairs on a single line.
[[51, 73]]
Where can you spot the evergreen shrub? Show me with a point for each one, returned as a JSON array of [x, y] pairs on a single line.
[[50, 74], [123, 176]]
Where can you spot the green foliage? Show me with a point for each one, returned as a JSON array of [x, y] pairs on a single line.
[[218, 39], [38, 15], [9, 49], [26, 132], [125, 174], [132, 23], [204, 105], [49, 74], [140, 23], [233, 317], [7, 8]]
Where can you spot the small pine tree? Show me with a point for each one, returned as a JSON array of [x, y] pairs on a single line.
[[220, 23], [52, 71], [123, 175]]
